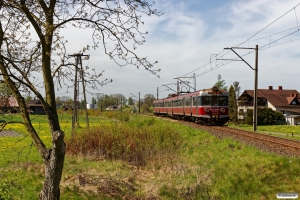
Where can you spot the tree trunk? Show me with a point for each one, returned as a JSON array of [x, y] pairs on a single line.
[[53, 168]]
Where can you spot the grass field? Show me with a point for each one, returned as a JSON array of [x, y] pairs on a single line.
[[200, 167], [285, 131]]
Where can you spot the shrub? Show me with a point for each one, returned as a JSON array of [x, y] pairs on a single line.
[[122, 116], [265, 116], [138, 144]]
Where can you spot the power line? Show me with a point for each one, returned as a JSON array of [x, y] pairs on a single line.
[[219, 55], [270, 24]]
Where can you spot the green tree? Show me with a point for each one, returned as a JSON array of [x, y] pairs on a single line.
[[148, 102], [266, 116], [28, 98], [94, 100], [82, 104], [30, 34], [232, 104], [130, 101], [220, 83], [237, 88]]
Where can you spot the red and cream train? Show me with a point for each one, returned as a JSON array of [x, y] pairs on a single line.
[[207, 106]]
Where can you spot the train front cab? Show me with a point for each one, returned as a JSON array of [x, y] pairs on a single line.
[[213, 108]]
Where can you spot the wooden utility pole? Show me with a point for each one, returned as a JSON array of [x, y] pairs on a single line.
[[75, 119], [139, 102], [84, 95], [121, 102]]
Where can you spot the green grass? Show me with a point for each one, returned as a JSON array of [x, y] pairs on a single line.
[[285, 131], [203, 167]]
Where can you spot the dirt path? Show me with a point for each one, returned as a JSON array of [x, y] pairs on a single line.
[[8, 133]]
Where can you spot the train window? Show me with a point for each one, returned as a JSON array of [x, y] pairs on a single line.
[[205, 100], [194, 101], [179, 103], [187, 101], [223, 101], [214, 100]]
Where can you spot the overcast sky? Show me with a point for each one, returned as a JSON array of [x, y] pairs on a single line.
[[192, 32]]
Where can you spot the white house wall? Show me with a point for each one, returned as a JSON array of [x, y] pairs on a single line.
[[269, 105]]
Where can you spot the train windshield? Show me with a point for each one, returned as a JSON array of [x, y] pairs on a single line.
[[223, 101], [214, 100], [205, 101]]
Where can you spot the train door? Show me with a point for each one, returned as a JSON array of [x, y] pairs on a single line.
[[194, 105], [183, 106], [174, 106], [191, 106]]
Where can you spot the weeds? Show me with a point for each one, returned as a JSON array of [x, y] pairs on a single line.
[[121, 116], [137, 144]]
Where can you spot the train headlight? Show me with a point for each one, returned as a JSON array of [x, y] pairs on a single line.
[[206, 110], [222, 110]]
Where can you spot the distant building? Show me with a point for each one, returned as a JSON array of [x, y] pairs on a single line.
[[9, 104], [35, 107], [280, 100], [91, 106], [112, 108]]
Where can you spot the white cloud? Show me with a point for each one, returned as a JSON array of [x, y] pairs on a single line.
[[183, 39]]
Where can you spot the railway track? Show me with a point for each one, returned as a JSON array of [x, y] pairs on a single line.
[[281, 146], [273, 144]]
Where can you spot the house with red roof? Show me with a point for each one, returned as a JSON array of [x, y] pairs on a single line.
[[8, 104], [282, 100]]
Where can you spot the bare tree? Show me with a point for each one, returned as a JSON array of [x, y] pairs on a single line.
[[30, 33]]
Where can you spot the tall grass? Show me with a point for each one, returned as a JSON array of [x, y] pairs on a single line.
[[136, 143]]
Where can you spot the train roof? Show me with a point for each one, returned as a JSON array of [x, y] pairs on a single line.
[[210, 91]]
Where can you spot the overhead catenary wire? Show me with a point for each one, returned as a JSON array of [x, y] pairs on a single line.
[[222, 54]]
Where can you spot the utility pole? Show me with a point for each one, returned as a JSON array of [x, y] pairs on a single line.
[[121, 102], [84, 94], [74, 117], [157, 92], [78, 61], [139, 102], [255, 79], [255, 89]]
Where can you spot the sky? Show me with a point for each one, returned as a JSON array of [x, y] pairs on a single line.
[[191, 34]]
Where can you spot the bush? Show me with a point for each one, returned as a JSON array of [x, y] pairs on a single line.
[[137, 143], [121, 116], [266, 116]]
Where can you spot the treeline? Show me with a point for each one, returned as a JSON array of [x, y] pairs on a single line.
[[103, 101]]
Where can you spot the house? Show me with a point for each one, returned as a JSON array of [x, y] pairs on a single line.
[[36, 107], [112, 108], [281, 100], [9, 104]]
